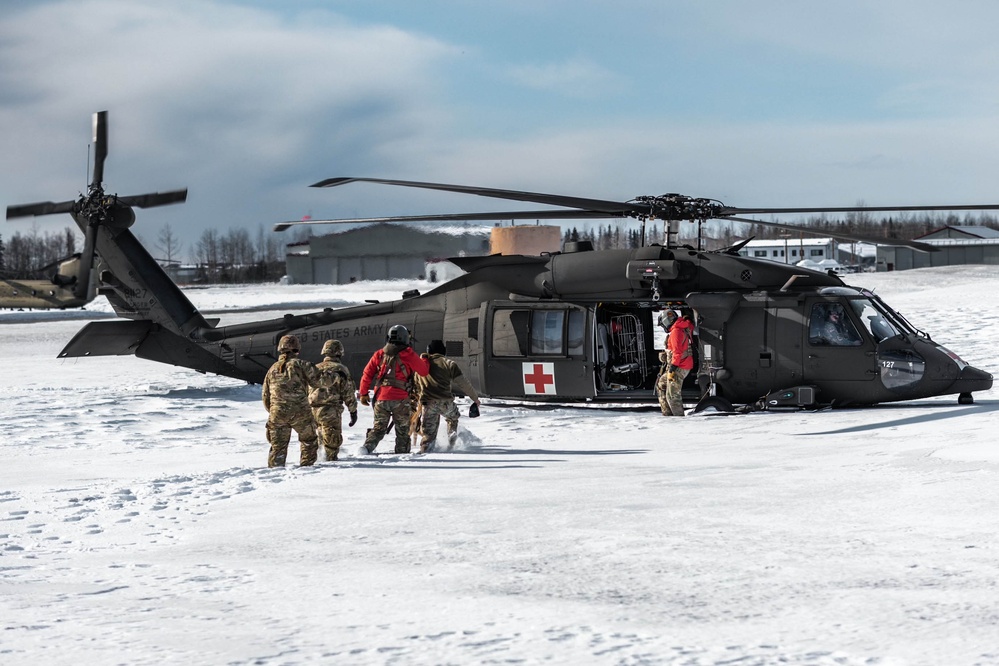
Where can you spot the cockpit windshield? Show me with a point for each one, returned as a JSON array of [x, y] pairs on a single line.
[[879, 319]]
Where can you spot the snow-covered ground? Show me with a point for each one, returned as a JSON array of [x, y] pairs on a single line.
[[139, 524]]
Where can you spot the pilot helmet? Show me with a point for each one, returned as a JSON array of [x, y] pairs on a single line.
[[398, 335], [666, 319], [436, 347]]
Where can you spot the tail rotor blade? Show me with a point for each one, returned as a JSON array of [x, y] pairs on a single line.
[[86, 262], [100, 146], [40, 208]]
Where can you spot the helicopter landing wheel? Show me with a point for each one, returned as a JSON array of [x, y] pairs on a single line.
[[965, 399], [715, 402]]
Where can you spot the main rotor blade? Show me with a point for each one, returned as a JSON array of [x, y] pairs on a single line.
[[100, 146], [727, 210], [616, 208], [461, 217], [40, 208], [916, 245], [155, 198]]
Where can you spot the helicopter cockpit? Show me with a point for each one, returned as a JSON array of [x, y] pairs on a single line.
[[879, 320]]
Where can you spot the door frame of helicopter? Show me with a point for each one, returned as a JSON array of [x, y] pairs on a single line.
[[553, 351]]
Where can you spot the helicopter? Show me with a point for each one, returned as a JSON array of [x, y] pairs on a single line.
[[56, 290], [71, 282], [571, 326]]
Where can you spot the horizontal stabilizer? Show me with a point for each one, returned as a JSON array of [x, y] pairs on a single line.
[[107, 338]]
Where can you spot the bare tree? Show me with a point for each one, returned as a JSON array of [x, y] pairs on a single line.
[[207, 254], [168, 244]]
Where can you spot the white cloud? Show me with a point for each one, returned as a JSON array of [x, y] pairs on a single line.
[[575, 77]]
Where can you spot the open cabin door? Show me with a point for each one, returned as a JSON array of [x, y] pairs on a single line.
[[537, 351]]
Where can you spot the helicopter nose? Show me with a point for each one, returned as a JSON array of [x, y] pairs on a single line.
[[972, 379]]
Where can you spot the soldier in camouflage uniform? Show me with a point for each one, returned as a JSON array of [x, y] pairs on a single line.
[[327, 403], [285, 396], [389, 373], [436, 398]]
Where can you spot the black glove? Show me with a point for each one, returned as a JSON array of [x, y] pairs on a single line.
[[473, 410], [353, 419]]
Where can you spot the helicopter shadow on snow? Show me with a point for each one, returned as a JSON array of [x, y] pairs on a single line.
[[498, 450], [241, 393], [980, 407]]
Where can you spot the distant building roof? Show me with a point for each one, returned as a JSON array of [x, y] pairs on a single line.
[[958, 231]]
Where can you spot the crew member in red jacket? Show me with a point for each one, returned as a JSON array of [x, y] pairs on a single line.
[[678, 359], [389, 374]]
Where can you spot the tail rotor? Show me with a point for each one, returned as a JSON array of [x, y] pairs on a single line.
[[96, 209]]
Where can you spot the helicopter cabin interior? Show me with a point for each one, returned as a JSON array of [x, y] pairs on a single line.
[[550, 350]]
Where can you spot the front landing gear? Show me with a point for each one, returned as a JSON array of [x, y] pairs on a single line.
[[965, 399]]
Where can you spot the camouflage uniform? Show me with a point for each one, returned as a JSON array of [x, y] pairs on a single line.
[[436, 398], [285, 396], [327, 403]]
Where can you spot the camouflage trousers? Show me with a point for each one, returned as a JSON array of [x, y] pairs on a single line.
[[329, 425], [670, 398], [279, 427], [431, 419], [398, 411]]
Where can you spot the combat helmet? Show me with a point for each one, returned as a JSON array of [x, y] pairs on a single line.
[[333, 348], [398, 335], [289, 343]]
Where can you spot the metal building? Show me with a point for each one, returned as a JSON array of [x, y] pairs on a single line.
[[379, 252], [958, 245]]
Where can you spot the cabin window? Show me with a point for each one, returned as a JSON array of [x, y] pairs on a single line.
[[546, 331], [831, 325], [510, 332], [759, 253], [539, 332]]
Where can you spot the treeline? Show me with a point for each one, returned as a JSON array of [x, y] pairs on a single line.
[[611, 237], [25, 256], [718, 234], [236, 256]]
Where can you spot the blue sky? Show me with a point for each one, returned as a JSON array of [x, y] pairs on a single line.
[[247, 103]]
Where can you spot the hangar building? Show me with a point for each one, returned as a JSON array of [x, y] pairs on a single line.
[[396, 251], [958, 245]]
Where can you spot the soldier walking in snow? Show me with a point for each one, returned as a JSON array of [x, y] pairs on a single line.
[[285, 396], [436, 397], [328, 402], [390, 372]]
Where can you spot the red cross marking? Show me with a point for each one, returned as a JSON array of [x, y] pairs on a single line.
[[539, 378]]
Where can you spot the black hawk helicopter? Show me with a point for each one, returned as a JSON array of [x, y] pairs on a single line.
[[576, 325]]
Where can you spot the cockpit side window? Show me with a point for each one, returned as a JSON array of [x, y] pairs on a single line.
[[829, 324]]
